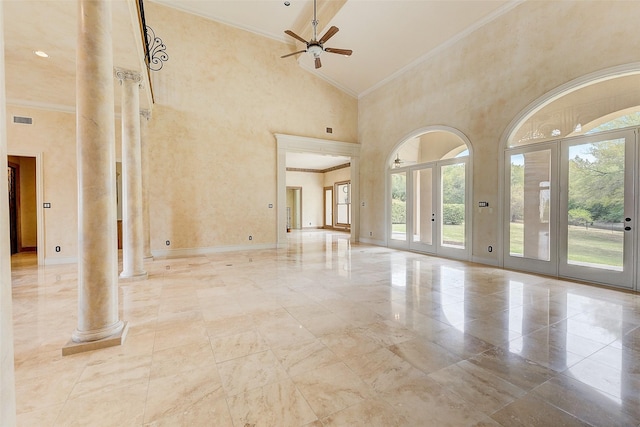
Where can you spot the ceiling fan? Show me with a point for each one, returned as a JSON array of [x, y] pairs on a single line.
[[315, 46]]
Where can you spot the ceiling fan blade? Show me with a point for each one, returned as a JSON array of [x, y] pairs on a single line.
[[318, 63], [295, 36], [330, 33], [346, 52], [294, 53]]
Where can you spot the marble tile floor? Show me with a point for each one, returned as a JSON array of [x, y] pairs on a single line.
[[329, 333]]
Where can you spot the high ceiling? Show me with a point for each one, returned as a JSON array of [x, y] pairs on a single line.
[[386, 36]]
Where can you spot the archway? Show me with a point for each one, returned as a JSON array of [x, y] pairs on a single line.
[[569, 171], [429, 193]]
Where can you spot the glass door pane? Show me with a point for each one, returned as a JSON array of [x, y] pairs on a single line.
[[399, 206], [531, 196], [530, 205], [423, 218], [343, 202], [597, 208], [453, 205]]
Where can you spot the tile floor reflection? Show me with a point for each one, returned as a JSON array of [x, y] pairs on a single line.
[[326, 333]]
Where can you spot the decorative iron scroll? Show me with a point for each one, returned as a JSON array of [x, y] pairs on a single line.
[[155, 50]]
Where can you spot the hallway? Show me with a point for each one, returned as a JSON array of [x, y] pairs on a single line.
[[329, 333]]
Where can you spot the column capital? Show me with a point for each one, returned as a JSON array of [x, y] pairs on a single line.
[[122, 75], [146, 114]]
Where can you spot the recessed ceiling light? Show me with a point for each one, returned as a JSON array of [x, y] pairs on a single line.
[[41, 54]]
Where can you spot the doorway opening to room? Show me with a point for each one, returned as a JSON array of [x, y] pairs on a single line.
[[294, 208], [315, 164], [328, 208], [23, 204], [571, 194], [429, 207]]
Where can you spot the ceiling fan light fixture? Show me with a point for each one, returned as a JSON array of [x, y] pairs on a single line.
[[315, 50]]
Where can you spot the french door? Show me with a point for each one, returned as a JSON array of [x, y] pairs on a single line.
[[428, 210], [571, 208]]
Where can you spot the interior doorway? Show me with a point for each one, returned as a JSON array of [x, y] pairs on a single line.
[[23, 212], [294, 208], [328, 207]]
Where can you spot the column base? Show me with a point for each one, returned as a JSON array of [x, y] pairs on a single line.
[[73, 347], [124, 278]]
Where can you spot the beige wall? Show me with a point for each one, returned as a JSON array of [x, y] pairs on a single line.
[[339, 175], [53, 135], [219, 100], [27, 191], [480, 84]]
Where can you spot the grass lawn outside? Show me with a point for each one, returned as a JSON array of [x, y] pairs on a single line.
[[451, 234], [585, 246]]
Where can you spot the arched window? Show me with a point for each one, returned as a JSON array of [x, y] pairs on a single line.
[[429, 193], [570, 170]]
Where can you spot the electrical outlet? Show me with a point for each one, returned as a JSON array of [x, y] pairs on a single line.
[[371, 234], [58, 249], [250, 237], [490, 248], [168, 242]]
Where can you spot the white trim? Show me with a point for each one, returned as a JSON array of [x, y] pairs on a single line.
[[59, 261], [486, 261], [40, 230], [303, 144], [185, 252], [444, 46], [374, 242], [71, 109]]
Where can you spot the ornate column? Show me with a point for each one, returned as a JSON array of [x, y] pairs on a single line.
[[145, 116], [98, 322], [7, 378], [132, 226]]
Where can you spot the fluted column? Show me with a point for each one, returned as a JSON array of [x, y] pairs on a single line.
[[7, 377], [95, 144], [145, 116], [132, 224]]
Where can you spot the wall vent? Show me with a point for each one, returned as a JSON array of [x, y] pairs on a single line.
[[23, 120]]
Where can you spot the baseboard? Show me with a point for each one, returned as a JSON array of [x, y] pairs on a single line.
[[185, 252], [58, 261], [372, 241], [486, 261]]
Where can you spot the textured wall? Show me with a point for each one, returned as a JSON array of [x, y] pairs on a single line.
[[481, 83], [219, 99]]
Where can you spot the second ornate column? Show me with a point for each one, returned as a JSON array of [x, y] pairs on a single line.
[[145, 116], [132, 225]]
